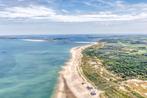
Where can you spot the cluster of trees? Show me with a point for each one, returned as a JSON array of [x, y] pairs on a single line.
[[126, 65], [126, 39]]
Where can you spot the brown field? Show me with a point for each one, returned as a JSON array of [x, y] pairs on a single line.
[[139, 86]]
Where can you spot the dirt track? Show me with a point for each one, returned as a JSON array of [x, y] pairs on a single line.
[[70, 81]]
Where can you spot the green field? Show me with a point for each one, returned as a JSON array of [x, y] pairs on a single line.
[[123, 57], [127, 59]]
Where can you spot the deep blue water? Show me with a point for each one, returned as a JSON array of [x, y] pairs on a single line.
[[29, 69]]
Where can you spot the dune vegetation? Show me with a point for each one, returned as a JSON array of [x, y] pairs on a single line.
[[111, 62]]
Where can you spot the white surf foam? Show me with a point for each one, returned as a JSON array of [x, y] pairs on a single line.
[[85, 42], [33, 40]]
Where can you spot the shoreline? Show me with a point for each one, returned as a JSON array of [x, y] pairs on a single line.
[[72, 84]]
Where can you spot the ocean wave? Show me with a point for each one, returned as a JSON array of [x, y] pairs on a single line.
[[82, 42], [33, 40]]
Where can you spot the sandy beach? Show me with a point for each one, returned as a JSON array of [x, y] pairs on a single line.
[[71, 83]]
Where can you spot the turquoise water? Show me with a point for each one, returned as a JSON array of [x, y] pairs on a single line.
[[29, 65], [29, 69]]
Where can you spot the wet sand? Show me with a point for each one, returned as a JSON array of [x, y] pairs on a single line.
[[71, 83]]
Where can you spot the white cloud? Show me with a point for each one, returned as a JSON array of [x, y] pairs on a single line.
[[117, 6], [26, 12], [40, 12], [131, 8]]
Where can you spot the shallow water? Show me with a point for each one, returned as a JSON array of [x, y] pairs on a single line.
[[29, 68]]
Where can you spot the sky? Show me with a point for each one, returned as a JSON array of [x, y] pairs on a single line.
[[24, 17]]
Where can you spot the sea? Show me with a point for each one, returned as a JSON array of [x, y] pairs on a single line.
[[29, 64]]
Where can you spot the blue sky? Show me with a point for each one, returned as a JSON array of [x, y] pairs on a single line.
[[73, 17]]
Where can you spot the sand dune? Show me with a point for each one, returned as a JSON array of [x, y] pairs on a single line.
[[71, 83]]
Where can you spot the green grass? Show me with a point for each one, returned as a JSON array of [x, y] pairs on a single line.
[[125, 58], [125, 63], [110, 88]]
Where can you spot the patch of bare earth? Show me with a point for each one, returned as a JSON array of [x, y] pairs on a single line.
[[70, 83], [139, 86]]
